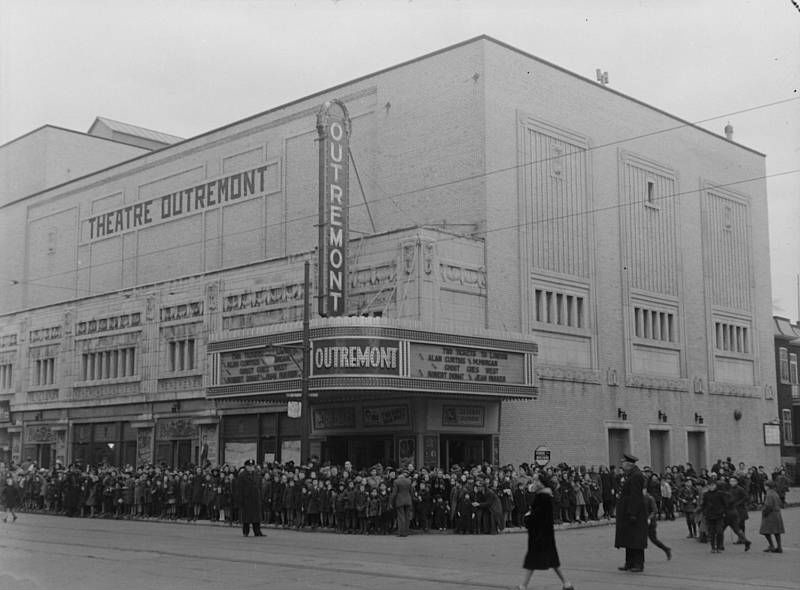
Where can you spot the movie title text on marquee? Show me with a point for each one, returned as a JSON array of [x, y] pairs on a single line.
[[453, 363], [259, 364], [207, 195]]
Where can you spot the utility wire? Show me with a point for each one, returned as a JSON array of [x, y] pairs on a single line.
[[298, 219]]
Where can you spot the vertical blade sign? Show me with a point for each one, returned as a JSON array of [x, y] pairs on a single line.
[[333, 127]]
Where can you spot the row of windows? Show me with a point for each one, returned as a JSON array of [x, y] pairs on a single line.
[[108, 364], [43, 372], [654, 325], [788, 366], [560, 308], [731, 338], [6, 376]]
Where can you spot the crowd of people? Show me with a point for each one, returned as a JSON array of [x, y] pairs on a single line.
[[480, 499]]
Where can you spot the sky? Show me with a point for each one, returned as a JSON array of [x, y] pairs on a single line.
[[185, 67]]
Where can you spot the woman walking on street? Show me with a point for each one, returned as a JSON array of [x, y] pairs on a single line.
[[542, 553], [771, 519]]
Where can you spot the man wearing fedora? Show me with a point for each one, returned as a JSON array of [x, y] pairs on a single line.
[[631, 530]]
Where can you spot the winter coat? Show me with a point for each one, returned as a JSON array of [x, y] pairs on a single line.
[[631, 530], [542, 553], [771, 519], [248, 496]]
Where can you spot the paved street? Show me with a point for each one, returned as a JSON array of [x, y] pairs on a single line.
[[39, 552]]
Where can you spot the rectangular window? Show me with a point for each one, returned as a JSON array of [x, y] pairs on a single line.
[[43, 372], [786, 415], [651, 192], [550, 307], [652, 324], [6, 377], [783, 355], [731, 337], [793, 368], [181, 355]]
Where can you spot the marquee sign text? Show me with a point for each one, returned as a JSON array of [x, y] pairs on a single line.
[[454, 363], [258, 364]]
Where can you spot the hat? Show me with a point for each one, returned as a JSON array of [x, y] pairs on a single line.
[[629, 457], [248, 462]]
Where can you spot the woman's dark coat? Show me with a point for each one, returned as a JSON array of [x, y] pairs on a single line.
[[631, 531], [542, 553]]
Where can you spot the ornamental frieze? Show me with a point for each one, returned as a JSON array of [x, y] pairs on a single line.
[[192, 382], [262, 318], [733, 389], [44, 334], [452, 274], [554, 373], [661, 383], [8, 341], [117, 322], [184, 311], [375, 276], [92, 392], [47, 395], [278, 295]]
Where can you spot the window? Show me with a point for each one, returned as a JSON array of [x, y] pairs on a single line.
[[653, 324], [43, 372], [6, 376], [731, 337], [793, 368], [181, 355], [783, 356], [108, 364], [787, 425], [651, 192], [562, 309]]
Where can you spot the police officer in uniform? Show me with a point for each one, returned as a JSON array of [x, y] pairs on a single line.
[[248, 492], [631, 530]]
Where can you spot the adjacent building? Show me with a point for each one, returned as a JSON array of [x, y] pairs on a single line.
[[505, 256], [785, 429]]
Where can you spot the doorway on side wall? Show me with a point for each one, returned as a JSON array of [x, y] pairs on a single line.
[[619, 442]]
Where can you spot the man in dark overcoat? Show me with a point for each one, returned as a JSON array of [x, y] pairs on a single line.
[[631, 531], [248, 496]]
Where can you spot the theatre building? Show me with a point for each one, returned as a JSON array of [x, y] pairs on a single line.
[[502, 255]]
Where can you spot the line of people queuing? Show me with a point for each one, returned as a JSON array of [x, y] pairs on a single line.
[[480, 499]]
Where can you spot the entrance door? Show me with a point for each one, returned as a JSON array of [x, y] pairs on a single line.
[[619, 442], [366, 451], [464, 450], [659, 450], [697, 449]]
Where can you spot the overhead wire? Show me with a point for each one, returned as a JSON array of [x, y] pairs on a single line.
[[408, 193]]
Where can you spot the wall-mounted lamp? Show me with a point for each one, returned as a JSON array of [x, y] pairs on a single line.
[[110, 446], [737, 414], [622, 415], [698, 419], [662, 417]]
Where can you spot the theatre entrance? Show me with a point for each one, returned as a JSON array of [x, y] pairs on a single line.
[[361, 451], [464, 450]]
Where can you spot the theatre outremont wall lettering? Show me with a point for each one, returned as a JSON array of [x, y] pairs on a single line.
[[192, 199]]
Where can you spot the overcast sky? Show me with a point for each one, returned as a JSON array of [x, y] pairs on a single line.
[[187, 66]]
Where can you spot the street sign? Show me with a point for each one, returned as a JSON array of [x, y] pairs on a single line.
[[541, 455]]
